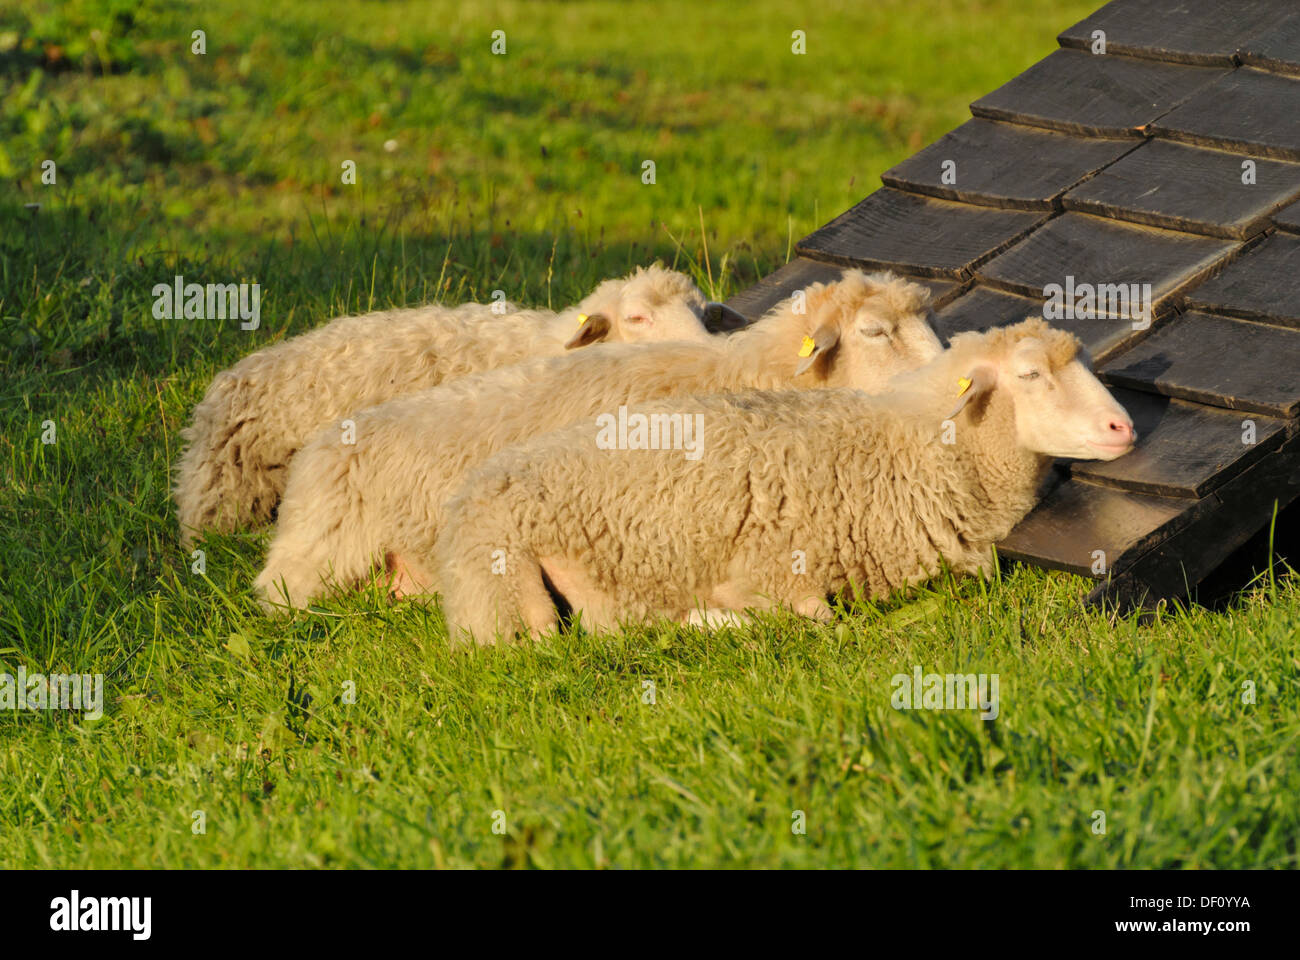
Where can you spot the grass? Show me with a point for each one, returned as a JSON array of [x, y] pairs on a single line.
[[523, 173]]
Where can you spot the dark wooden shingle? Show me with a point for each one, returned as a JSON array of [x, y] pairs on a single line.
[[1183, 449], [1100, 96], [1185, 31], [983, 307], [1248, 110], [1275, 47], [1004, 165], [1263, 284], [1097, 251], [1233, 364], [917, 235], [1288, 218], [1180, 187], [1077, 519]]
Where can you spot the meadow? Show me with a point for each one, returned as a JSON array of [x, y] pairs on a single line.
[[356, 736]]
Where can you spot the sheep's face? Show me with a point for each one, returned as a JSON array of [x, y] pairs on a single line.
[[653, 304], [867, 328], [877, 345], [1060, 411]]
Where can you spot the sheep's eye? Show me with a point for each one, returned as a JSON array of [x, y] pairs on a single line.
[[1031, 375], [637, 318], [873, 332]]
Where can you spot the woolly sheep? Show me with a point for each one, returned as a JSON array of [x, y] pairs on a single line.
[[796, 499], [382, 499], [255, 415]]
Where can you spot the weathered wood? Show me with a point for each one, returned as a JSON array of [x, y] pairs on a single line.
[[1263, 284], [1097, 251], [1099, 96], [917, 235], [780, 284], [981, 308], [1276, 47], [1185, 31], [1288, 218], [1004, 165], [1077, 519], [1213, 529], [1248, 110], [1184, 449], [1233, 364], [1179, 187], [800, 272]]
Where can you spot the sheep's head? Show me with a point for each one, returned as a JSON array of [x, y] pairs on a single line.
[[1061, 409], [650, 304], [866, 328]]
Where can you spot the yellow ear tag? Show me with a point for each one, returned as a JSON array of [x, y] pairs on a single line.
[[963, 384], [806, 348], [582, 318]]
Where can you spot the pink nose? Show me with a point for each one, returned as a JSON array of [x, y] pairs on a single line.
[[1121, 431]]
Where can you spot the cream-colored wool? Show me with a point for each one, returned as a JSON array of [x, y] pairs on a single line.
[[255, 415], [797, 497], [381, 500]]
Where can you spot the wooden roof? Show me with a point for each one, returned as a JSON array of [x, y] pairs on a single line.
[[1126, 167]]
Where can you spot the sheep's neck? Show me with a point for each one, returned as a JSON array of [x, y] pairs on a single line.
[[765, 355], [1009, 475]]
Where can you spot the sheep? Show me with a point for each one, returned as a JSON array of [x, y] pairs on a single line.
[[381, 500], [255, 415], [797, 499]]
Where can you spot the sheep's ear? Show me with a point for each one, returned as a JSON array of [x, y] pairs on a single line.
[[824, 339], [593, 327], [977, 383], [720, 317]]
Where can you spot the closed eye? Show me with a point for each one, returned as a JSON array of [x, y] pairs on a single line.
[[1031, 375], [637, 318]]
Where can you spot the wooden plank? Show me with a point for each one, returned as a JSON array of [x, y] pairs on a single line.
[[1288, 218], [1096, 251], [1184, 449], [1276, 47], [1263, 284], [921, 236], [1186, 31], [1097, 96], [800, 272], [1233, 364], [1003, 165], [780, 284], [1248, 110], [1179, 187], [1214, 528], [983, 307], [1076, 519]]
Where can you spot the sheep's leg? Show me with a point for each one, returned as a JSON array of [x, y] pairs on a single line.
[[407, 577]]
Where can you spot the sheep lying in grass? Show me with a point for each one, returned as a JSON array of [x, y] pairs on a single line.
[[347, 508], [796, 499], [255, 415]]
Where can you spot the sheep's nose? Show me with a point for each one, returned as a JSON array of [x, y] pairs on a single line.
[[1121, 431]]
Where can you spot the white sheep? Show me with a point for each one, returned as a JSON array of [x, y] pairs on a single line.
[[255, 415], [381, 500], [796, 499]]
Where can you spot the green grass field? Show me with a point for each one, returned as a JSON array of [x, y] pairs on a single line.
[[523, 172]]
